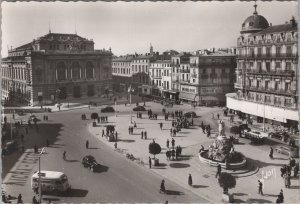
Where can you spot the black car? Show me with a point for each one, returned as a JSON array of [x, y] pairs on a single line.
[[90, 162]]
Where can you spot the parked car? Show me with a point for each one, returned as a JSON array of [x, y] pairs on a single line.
[[139, 108], [280, 135], [90, 162], [107, 109], [10, 147], [190, 114], [289, 151]]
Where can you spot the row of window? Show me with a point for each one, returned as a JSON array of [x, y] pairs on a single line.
[[20, 73], [268, 99], [267, 84], [121, 70], [267, 65], [266, 51]]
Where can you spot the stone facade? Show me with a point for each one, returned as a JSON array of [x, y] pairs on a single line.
[[266, 73], [56, 68]]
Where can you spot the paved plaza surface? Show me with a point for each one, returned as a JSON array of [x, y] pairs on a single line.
[[123, 180]]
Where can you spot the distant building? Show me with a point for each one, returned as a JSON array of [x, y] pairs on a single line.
[[207, 77], [160, 74], [266, 73], [122, 73], [55, 67]]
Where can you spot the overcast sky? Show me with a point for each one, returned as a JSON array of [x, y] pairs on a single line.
[[131, 27]]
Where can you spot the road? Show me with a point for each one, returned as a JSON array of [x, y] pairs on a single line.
[[120, 181]]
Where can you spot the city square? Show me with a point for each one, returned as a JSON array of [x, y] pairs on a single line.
[[125, 124]]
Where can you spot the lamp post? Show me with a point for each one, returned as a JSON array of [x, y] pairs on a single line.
[[40, 187], [130, 90]]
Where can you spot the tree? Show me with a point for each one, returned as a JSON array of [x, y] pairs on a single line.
[[94, 116], [235, 130], [154, 148], [226, 181]]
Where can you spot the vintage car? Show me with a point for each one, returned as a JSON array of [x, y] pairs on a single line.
[[289, 151], [90, 162]]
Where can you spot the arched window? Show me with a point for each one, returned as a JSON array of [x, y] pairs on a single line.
[[75, 71], [89, 70], [61, 71]]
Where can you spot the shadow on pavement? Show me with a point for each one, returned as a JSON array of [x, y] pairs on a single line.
[[103, 168], [93, 148], [161, 166], [270, 195], [51, 199], [76, 193], [240, 194], [258, 200], [199, 186], [294, 187], [72, 160], [170, 192], [121, 140], [179, 165], [238, 201], [261, 164]]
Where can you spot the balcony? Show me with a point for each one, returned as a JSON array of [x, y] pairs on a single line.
[[184, 71], [269, 56], [289, 73]]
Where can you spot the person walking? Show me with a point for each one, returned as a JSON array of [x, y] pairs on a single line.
[[34, 200], [260, 187], [150, 162], [219, 169], [19, 199], [161, 125], [116, 145], [287, 180], [142, 135], [271, 153], [87, 144], [64, 155], [134, 124], [168, 143], [190, 181], [162, 186], [173, 143], [218, 115], [171, 132]]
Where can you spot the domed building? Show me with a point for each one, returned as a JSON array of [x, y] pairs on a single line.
[[266, 73], [254, 23]]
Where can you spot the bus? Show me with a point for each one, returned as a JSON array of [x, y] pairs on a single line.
[[51, 182]]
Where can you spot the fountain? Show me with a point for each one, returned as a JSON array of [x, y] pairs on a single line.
[[222, 152]]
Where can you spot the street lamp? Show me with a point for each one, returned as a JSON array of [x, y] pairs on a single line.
[[130, 91], [40, 174]]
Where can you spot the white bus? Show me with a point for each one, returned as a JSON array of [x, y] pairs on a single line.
[[51, 181]]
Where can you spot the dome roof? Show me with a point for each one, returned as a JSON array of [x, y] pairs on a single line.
[[254, 23]]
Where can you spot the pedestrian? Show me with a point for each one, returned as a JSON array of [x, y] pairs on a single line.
[[162, 186], [260, 187], [173, 143], [161, 125], [134, 124], [171, 132], [34, 200], [280, 196], [64, 155], [190, 181], [218, 115], [219, 169], [145, 134], [150, 162], [168, 143], [173, 154], [19, 199], [142, 135], [87, 144], [296, 169], [116, 135], [102, 132], [287, 180], [116, 145], [271, 153]]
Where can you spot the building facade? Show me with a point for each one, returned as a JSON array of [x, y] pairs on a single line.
[[122, 73], [266, 73], [160, 76], [55, 67]]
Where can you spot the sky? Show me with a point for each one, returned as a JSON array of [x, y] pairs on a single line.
[[129, 27]]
